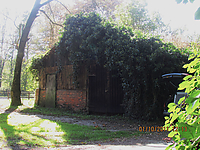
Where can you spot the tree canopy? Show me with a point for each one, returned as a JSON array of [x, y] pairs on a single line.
[[135, 15]]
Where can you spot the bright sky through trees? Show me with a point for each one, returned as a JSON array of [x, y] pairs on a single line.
[[178, 15]]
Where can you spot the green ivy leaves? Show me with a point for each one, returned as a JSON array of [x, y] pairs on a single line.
[[139, 61]]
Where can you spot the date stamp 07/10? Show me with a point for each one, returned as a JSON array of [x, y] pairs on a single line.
[[161, 129]]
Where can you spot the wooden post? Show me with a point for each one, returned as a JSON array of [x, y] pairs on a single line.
[[8, 94], [28, 95]]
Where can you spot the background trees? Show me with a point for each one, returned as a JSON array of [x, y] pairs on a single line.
[[102, 7], [48, 32], [135, 15], [3, 53], [24, 45], [43, 35]]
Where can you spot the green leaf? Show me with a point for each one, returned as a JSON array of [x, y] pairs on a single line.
[[187, 77], [185, 66], [197, 14], [183, 85], [174, 117], [191, 1], [172, 133], [186, 131], [191, 70], [178, 1], [177, 137], [181, 100], [166, 117], [192, 96], [171, 104], [171, 107], [194, 62], [166, 122], [191, 56], [185, 1], [193, 106], [188, 90]]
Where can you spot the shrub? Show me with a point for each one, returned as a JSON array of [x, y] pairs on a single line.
[[186, 131]]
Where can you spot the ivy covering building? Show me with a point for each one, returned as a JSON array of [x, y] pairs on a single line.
[[105, 68]]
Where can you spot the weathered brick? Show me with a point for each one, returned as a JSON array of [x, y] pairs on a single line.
[[72, 99]]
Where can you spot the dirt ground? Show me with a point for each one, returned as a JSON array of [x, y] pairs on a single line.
[[112, 125], [116, 125], [119, 125]]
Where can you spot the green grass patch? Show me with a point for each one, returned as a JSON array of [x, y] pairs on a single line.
[[44, 132], [28, 130], [63, 112]]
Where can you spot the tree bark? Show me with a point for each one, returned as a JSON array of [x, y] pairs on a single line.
[[15, 89], [2, 63]]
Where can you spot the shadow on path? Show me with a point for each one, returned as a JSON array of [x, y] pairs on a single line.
[[13, 139], [10, 139], [143, 139]]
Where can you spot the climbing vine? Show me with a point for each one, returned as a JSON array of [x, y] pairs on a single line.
[[36, 65], [89, 39]]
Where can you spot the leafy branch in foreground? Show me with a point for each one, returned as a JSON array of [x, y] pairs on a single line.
[[186, 131]]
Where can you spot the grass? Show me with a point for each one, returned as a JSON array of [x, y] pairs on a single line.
[[25, 130], [63, 112]]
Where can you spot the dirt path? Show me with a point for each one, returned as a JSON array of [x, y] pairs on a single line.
[[152, 139], [112, 125]]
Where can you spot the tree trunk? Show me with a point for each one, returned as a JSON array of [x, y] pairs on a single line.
[[2, 63], [11, 67], [15, 89]]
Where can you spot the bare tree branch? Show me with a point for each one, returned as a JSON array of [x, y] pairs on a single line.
[[50, 18], [11, 20], [63, 5], [45, 3], [51, 11]]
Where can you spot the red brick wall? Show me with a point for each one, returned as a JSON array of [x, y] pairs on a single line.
[[72, 99]]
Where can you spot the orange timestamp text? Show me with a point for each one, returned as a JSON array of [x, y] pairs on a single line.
[[161, 129]]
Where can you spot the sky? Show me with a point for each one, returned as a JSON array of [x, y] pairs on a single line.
[[176, 15]]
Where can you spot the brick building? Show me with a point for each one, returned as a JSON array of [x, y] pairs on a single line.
[[98, 90]]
